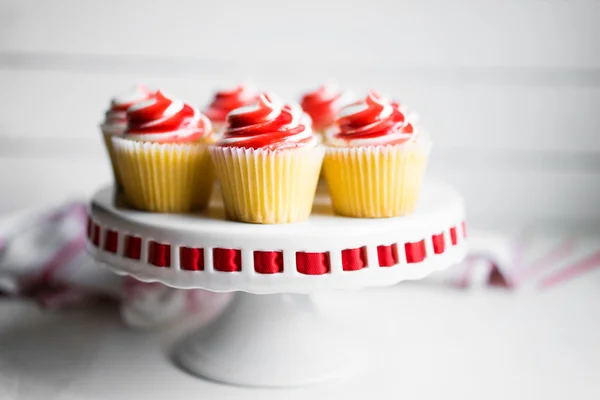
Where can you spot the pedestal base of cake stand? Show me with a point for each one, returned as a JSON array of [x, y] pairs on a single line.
[[276, 340], [269, 338]]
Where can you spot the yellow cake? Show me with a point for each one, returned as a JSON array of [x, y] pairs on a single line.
[[267, 163], [225, 101], [375, 160], [323, 105], [115, 121], [163, 156]]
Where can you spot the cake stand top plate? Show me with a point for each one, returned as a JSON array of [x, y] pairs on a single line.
[[204, 250]]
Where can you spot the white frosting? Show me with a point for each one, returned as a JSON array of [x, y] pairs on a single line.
[[115, 121], [253, 108], [346, 98], [334, 139], [353, 109], [134, 95], [247, 92], [175, 107], [299, 117], [171, 135], [219, 128], [331, 91], [306, 120], [114, 127], [383, 140], [142, 104]]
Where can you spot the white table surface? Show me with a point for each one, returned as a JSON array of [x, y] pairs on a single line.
[[427, 342]]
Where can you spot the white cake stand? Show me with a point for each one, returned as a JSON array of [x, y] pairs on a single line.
[[272, 334]]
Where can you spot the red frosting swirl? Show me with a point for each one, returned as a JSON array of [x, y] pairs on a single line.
[[116, 115], [267, 124], [373, 121], [323, 106], [226, 101], [161, 119], [123, 102]]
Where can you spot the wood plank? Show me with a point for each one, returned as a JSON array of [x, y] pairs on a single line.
[[457, 160], [30, 182], [526, 33], [493, 197], [545, 118]]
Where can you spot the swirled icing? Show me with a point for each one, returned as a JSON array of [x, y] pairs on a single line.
[[115, 119], [371, 122], [226, 101], [162, 119], [323, 105], [268, 124]]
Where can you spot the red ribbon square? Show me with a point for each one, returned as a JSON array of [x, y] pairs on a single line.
[[159, 254], [133, 247], [90, 224], [111, 241], [453, 236], [354, 259], [96, 235], [312, 263], [387, 255], [268, 262], [415, 252], [439, 244], [227, 260], [191, 258]]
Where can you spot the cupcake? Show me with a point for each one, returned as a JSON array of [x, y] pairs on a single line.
[[323, 105], [224, 102], [115, 120], [268, 163], [163, 156], [375, 160]]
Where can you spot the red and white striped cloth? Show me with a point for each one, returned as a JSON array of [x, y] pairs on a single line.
[[532, 261], [42, 256]]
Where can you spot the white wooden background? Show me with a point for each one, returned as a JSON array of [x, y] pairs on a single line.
[[510, 90]]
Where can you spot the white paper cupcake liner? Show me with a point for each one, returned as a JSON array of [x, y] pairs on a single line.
[[164, 177], [107, 136], [376, 181], [268, 186]]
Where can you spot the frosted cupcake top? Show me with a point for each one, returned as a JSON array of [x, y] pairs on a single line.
[[226, 101], [268, 124], [371, 122], [115, 119], [162, 119], [323, 105]]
